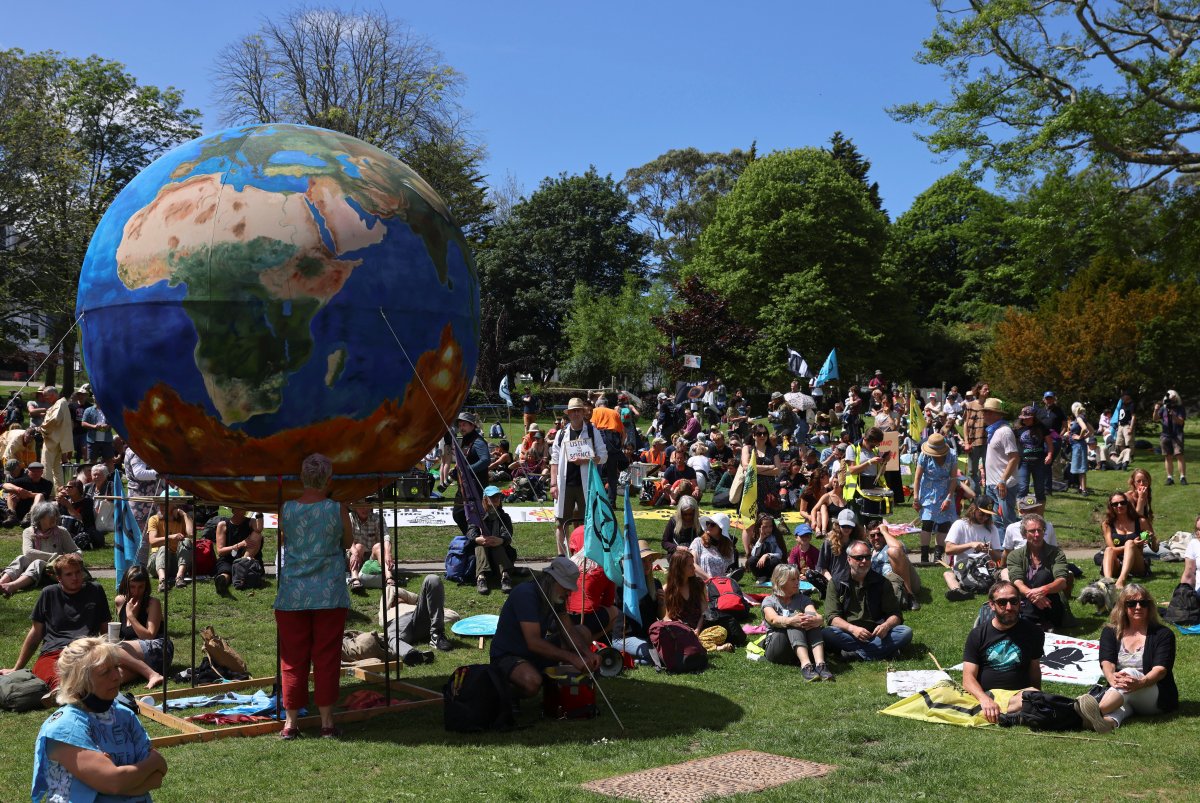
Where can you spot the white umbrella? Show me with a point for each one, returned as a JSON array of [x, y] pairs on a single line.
[[800, 401]]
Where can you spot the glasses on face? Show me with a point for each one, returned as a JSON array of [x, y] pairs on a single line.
[[1117, 502], [760, 434], [1130, 604], [1035, 529], [1006, 602], [859, 557]]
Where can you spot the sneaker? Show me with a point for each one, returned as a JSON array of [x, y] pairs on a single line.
[[825, 674], [414, 658], [1183, 480], [221, 582], [427, 656], [808, 673], [913, 605], [1169, 481], [182, 582], [481, 585], [958, 595], [737, 573], [1089, 709], [440, 642], [505, 583]]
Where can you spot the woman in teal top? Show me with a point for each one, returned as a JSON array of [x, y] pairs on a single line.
[[310, 607]]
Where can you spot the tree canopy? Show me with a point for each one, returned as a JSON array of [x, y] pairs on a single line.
[[1065, 83]]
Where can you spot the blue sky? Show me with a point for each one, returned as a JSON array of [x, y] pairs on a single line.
[[556, 86]]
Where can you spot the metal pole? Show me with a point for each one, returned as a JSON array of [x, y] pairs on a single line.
[[279, 560], [387, 646], [192, 674], [166, 586]]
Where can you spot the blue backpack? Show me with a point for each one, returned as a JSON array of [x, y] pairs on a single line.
[[460, 560]]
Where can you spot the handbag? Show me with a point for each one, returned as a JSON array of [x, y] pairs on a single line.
[[105, 522], [739, 485]]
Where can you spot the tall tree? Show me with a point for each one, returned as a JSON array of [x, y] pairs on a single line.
[[846, 153], [675, 196], [700, 321], [613, 335], [796, 248], [365, 74], [1064, 83], [572, 230], [73, 133]]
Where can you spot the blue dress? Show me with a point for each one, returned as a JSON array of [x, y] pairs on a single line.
[[313, 573], [935, 487], [116, 732]]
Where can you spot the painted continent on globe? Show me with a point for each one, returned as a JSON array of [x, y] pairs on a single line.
[[237, 299]]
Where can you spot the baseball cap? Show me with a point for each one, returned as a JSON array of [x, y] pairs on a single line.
[[492, 490], [565, 572], [803, 529], [35, 464], [847, 518], [1049, 395], [1027, 411]]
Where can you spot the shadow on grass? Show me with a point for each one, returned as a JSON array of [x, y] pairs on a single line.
[[667, 706]]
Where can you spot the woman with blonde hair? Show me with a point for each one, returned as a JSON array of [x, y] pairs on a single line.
[[1137, 655], [683, 527], [1123, 543], [795, 634], [1078, 432], [89, 748], [1141, 497]]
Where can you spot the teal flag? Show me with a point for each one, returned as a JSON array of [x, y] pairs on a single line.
[[635, 579], [828, 371], [601, 539]]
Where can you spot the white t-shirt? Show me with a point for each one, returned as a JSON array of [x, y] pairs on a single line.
[[1014, 536], [1193, 550], [700, 463], [999, 448], [965, 532]]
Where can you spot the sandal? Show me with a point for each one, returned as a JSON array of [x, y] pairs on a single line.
[[288, 734]]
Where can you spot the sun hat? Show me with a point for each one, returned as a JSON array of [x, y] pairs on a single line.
[[576, 403], [776, 395], [847, 518], [647, 551], [935, 445], [993, 406], [469, 417], [533, 428], [565, 572], [1027, 411]]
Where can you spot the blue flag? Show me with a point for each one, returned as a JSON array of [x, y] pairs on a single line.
[[1112, 421], [635, 579], [600, 538], [468, 486], [828, 371], [127, 535], [505, 393]]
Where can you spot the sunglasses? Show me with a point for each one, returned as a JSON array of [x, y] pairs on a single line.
[[1118, 503], [859, 557], [1130, 604], [1006, 602], [760, 434]]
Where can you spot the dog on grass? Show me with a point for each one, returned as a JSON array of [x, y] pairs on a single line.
[[1102, 593]]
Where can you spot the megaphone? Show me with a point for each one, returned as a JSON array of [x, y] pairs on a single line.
[[611, 662]]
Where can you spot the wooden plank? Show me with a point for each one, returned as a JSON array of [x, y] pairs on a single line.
[[168, 719]]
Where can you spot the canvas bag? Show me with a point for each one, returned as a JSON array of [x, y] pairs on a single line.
[[739, 485], [21, 691], [105, 516]]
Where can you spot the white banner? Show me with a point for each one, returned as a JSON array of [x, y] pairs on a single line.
[[442, 516], [1069, 660]]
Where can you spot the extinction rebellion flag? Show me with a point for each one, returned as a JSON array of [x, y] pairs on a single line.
[[601, 541]]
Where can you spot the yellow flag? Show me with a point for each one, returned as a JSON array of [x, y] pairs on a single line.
[[748, 507], [916, 418]]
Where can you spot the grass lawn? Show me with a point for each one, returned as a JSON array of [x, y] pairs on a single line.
[[736, 704]]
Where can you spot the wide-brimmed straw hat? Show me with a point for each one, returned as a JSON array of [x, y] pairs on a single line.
[[576, 403], [993, 406], [935, 445]]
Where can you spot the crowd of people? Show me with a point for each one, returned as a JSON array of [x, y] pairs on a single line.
[[835, 463]]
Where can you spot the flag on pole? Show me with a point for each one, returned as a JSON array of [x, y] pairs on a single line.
[[797, 364], [468, 486], [915, 417], [828, 371], [127, 535], [1112, 421], [600, 537], [635, 579], [505, 393], [748, 506]]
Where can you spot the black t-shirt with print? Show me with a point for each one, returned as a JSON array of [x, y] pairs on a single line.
[[1003, 656]]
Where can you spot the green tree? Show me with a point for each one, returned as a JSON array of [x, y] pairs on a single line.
[[699, 321], [366, 74], [846, 153], [574, 230], [613, 335], [675, 196], [73, 133], [1065, 83], [796, 248]]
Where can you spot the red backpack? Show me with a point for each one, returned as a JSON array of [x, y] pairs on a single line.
[[678, 647], [204, 558], [725, 598]]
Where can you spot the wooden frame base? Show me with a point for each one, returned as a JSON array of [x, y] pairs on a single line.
[[190, 732]]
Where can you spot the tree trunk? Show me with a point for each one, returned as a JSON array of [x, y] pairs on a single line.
[[68, 357]]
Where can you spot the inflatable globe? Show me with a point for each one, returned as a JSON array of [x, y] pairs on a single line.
[[239, 300]]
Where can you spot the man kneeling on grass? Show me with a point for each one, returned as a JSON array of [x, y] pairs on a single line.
[[534, 633], [1002, 654]]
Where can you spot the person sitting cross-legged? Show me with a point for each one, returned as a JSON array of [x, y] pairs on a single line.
[[534, 634], [42, 541], [1039, 571], [862, 615], [795, 626], [972, 537], [1001, 658], [239, 542]]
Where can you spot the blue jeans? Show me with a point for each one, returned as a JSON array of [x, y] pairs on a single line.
[[1006, 508], [638, 648], [1039, 471], [800, 434], [874, 650]]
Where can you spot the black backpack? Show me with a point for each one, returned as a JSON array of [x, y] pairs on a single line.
[[974, 574], [1043, 711], [477, 698], [1185, 606]]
